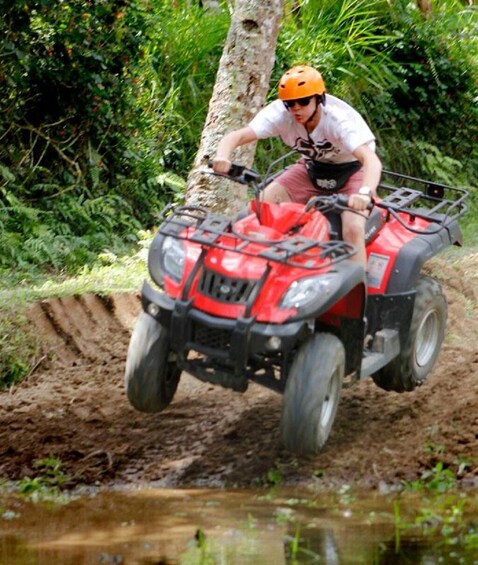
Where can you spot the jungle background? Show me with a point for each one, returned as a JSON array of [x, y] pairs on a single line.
[[102, 108], [102, 104]]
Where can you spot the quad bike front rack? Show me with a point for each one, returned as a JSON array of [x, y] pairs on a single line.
[[199, 225]]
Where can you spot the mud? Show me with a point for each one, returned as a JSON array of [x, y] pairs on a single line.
[[72, 406]]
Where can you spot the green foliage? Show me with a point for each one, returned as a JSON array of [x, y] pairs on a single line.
[[342, 38], [443, 518], [68, 87], [274, 477], [77, 173], [47, 484], [438, 479], [50, 474], [103, 104], [109, 273], [18, 347], [433, 101], [185, 44]]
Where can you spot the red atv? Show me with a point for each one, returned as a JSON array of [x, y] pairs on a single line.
[[274, 298]]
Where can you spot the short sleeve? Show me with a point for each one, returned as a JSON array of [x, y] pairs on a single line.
[[267, 122], [353, 132]]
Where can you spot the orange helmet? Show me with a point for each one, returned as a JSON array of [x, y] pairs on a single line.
[[300, 82]]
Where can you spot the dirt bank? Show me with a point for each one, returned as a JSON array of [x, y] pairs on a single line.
[[73, 406]]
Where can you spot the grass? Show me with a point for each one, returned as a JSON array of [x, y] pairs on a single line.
[[109, 274], [19, 346]]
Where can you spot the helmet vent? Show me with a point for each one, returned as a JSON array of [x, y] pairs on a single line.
[[301, 83]]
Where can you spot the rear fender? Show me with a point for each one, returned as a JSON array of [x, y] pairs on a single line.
[[413, 255]]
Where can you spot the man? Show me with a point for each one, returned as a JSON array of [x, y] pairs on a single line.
[[337, 145]]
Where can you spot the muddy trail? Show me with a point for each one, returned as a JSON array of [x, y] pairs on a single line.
[[72, 406]]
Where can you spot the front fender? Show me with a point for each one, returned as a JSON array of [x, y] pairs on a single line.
[[350, 275]]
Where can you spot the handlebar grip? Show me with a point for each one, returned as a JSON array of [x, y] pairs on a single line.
[[343, 200], [235, 170]]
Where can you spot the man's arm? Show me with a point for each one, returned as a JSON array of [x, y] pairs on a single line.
[[236, 138], [372, 170]]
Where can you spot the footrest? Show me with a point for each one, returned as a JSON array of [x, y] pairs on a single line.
[[385, 347]]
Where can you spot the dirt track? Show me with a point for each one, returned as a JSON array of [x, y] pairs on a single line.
[[73, 407]]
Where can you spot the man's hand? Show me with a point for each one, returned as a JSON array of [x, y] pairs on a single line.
[[221, 162], [220, 165], [359, 202]]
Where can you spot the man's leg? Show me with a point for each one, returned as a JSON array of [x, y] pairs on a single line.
[[353, 231], [293, 185], [276, 193]]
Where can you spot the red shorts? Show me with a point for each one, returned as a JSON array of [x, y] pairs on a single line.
[[300, 189]]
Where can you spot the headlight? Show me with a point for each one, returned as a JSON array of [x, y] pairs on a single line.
[[304, 291], [172, 258]]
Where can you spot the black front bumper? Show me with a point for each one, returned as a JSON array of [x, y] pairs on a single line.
[[223, 342], [234, 339]]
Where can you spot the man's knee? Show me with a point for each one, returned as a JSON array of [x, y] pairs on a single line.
[[276, 193], [353, 230]]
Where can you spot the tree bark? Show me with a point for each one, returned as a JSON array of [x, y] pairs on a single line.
[[242, 83]]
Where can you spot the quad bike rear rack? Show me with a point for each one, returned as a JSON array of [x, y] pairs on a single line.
[[418, 198], [199, 225]]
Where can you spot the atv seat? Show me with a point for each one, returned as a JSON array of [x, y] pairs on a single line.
[[373, 225]]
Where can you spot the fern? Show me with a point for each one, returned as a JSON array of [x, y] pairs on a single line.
[[7, 174], [439, 167]]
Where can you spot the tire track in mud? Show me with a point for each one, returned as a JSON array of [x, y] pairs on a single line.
[[85, 329]]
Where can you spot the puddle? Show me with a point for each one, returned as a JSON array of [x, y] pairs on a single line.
[[165, 527]]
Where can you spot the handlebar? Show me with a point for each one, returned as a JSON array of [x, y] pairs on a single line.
[[334, 202], [239, 173]]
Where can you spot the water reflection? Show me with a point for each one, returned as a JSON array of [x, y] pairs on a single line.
[[154, 527]]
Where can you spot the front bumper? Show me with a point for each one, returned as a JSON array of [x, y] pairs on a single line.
[[240, 338], [231, 344]]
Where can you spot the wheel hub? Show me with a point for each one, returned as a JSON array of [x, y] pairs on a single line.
[[427, 338]]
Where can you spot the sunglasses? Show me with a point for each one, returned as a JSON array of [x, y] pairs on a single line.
[[300, 101]]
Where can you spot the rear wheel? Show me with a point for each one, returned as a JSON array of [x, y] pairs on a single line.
[[421, 350], [312, 394], [151, 378]]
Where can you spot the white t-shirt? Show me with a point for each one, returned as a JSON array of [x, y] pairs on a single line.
[[340, 131]]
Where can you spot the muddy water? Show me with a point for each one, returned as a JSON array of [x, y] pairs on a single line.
[[161, 526]]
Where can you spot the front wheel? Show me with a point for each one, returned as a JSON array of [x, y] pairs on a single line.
[[151, 378], [312, 394], [423, 343]]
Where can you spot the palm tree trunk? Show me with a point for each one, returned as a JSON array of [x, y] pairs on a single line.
[[242, 83]]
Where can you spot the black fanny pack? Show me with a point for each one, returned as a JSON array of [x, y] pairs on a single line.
[[331, 176]]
